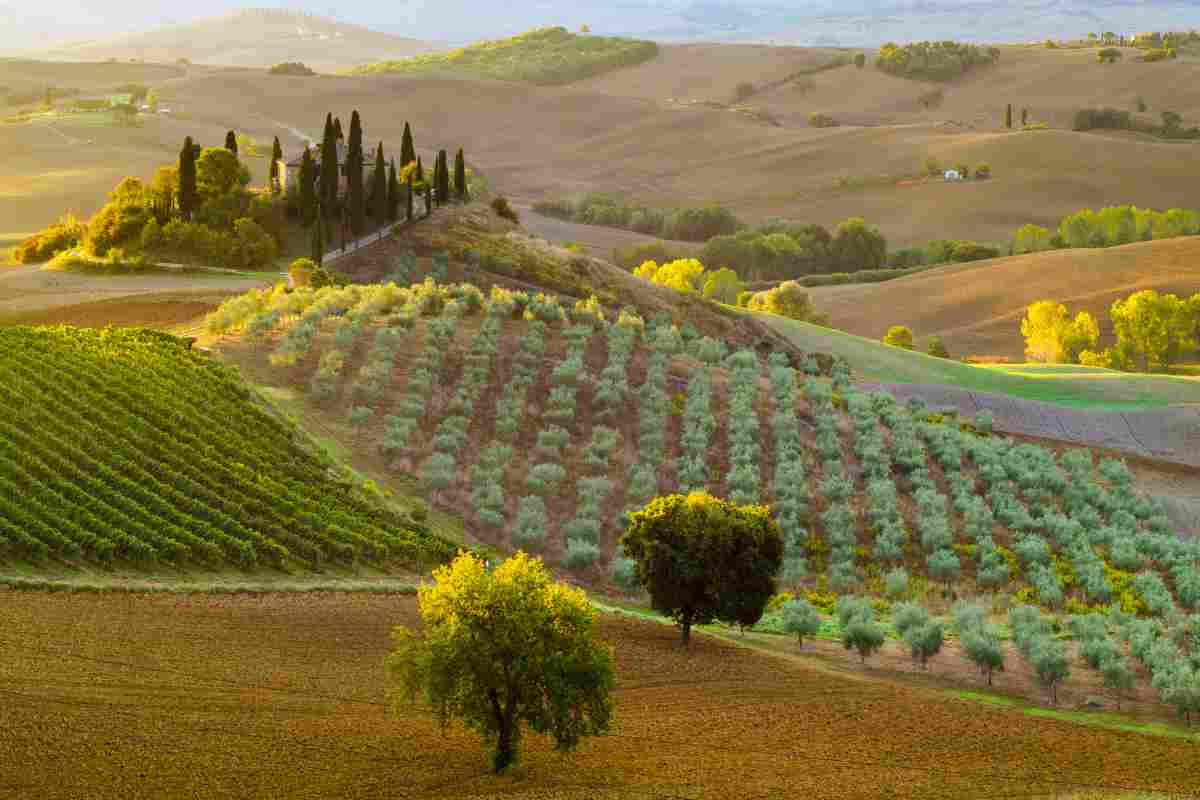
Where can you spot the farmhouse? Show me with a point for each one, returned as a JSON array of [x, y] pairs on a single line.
[[289, 169], [953, 175]]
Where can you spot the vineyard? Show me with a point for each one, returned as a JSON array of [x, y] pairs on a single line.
[[543, 423], [124, 445]]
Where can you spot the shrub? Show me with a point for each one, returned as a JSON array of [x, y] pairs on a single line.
[[863, 636], [787, 300], [291, 68], [625, 574], [502, 208], [937, 347], [581, 554], [924, 642], [896, 583], [818, 120], [744, 91], [63, 235], [983, 172], [899, 336], [801, 618]]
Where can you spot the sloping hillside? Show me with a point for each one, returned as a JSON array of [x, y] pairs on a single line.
[[977, 307], [124, 445], [251, 38]]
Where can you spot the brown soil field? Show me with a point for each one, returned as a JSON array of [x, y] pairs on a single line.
[[977, 307], [286, 696], [629, 132], [31, 296]]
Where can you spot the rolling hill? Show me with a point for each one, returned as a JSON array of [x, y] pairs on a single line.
[[977, 307], [249, 38]]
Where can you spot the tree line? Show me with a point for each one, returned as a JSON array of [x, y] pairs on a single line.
[[942, 60]]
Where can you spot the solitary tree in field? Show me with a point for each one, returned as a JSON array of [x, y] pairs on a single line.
[[379, 188], [937, 348], [1024, 117], [408, 153], [460, 177], [1008, 116], [355, 195], [701, 558], [860, 60], [329, 168], [188, 200], [502, 650], [899, 336], [276, 157], [231, 142]]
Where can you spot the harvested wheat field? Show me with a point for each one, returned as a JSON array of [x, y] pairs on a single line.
[[977, 307], [284, 696]]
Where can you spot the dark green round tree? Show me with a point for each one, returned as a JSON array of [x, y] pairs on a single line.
[[701, 558]]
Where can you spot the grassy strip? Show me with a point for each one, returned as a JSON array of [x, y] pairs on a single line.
[[155, 587], [1096, 719]]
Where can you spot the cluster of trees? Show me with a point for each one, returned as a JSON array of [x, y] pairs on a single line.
[[933, 60], [373, 199], [291, 68], [1008, 118], [1153, 331], [685, 224], [1171, 127], [902, 336], [783, 250], [1108, 227]]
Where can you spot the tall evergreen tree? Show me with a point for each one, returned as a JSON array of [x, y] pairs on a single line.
[[187, 179], [1008, 116], [318, 238], [420, 170], [408, 196], [337, 129], [1024, 117], [393, 193], [408, 153], [329, 169], [231, 142], [309, 202], [460, 177], [355, 195], [443, 189], [379, 189], [276, 157]]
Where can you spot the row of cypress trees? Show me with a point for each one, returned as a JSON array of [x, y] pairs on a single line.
[[1008, 116]]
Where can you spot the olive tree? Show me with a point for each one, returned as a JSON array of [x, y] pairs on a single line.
[[502, 649], [801, 618], [985, 650], [701, 558]]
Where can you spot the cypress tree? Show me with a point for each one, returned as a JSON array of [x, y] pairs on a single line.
[[1024, 117], [460, 177], [187, 179], [379, 189], [393, 193], [231, 142], [408, 198], [420, 171], [407, 153], [345, 227], [428, 199], [1008, 116], [443, 191], [329, 171], [337, 128], [318, 238], [309, 203], [276, 157], [356, 198]]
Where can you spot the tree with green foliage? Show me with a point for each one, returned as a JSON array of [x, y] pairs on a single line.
[[379, 188], [1052, 337], [461, 190], [1117, 677], [188, 198], [1050, 664], [1108, 55], [329, 169], [505, 649], [899, 336], [408, 153], [309, 203], [337, 130], [863, 635], [444, 178], [231, 142], [937, 347], [702, 559], [722, 285], [984, 649], [276, 157], [856, 246], [801, 618], [860, 60], [924, 642], [1155, 328], [218, 173], [355, 194]]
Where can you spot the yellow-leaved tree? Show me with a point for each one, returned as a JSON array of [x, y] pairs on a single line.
[[1052, 337], [502, 648]]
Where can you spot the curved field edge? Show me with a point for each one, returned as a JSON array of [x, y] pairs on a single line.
[[126, 446], [322, 700], [1091, 390]]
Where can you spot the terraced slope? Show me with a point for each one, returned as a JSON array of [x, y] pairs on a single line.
[[124, 445], [540, 424]]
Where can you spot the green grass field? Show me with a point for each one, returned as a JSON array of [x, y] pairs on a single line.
[[1073, 386], [546, 56]]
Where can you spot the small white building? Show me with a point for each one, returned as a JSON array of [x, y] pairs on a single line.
[[953, 175]]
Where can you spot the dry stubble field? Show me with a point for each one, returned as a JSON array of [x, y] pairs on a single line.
[[140, 696]]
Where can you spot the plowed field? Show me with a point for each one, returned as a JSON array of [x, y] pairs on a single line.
[[130, 696]]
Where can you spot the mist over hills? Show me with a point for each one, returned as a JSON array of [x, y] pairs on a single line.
[[92, 27]]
